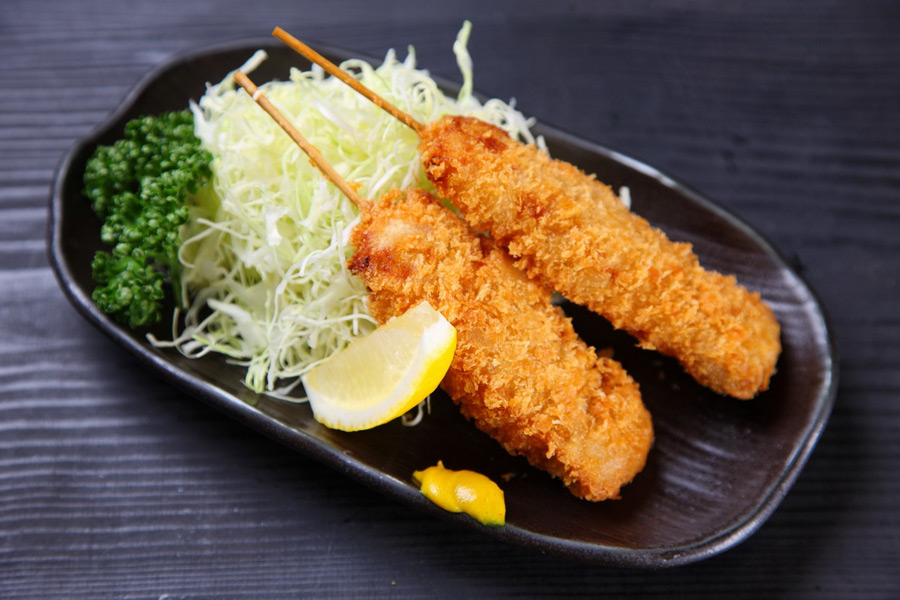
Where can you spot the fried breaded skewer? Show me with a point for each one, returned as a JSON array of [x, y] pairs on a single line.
[[520, 371], [574, 234], [571, 232]]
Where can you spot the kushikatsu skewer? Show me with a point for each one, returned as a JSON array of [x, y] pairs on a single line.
[[573, 234], [520, 371]]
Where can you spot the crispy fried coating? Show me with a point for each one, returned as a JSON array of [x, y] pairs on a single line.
[[520, 371], [572, 233]]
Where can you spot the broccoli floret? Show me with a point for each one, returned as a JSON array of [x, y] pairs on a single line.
[[140, 187]]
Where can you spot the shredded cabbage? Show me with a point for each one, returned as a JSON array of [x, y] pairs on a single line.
[[264, 259]]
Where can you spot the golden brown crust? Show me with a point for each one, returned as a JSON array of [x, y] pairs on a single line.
[[573, 233], [520, 371]]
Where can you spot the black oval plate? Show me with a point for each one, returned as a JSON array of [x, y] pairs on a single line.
[[719, 467]]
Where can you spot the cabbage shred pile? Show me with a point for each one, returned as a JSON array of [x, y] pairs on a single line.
[[264, 258]]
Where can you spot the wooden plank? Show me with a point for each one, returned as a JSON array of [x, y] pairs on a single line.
[[113, 484]]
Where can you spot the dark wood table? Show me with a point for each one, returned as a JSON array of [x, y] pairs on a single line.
[[116, 485]]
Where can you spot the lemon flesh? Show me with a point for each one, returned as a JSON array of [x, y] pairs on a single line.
[[383, 375]]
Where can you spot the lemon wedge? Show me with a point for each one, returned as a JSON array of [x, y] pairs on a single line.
[[383, 375]]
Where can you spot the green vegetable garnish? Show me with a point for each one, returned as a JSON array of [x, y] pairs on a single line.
[[139, 186], [254, 240]]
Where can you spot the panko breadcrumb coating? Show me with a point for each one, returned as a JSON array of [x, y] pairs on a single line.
[[520, 371], [573, 234]]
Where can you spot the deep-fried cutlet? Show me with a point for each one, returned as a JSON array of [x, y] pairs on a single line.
[[574, 235], [520, 371]]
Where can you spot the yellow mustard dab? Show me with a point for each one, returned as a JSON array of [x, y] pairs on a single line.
[[463, 491]]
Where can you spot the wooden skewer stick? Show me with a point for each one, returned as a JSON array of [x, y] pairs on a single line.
[[336, 71], [314, 155]]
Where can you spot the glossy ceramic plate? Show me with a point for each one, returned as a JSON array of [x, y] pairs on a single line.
[[719, 467]]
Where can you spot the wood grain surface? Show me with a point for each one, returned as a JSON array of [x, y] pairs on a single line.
[[115, 485]]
